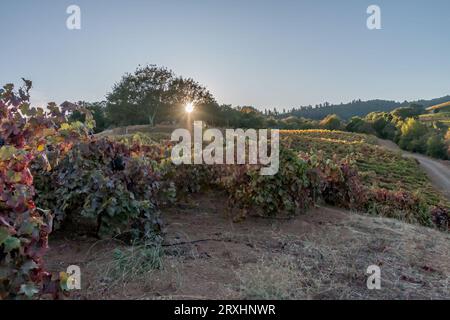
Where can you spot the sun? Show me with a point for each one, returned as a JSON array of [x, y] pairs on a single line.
[[189, 107]]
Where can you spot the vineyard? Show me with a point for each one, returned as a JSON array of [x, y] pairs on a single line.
[[432, 118], [377, 166], [58, 178]]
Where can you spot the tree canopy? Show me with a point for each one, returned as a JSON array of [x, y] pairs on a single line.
[[153, 94]]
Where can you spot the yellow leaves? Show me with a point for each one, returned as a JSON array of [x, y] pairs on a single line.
[[323, 135], [15, 177], [40, 147], [65, 126], [63, 281], [7, 153], [63, 276]]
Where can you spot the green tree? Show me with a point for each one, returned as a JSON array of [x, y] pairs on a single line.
[[411, 111], [331, 122], [357, 124], [153, 94], [381, 123], [250, 117], [138, 97], [97, 110], [186, 90], [436, 147], [413, 136], [229, 116]]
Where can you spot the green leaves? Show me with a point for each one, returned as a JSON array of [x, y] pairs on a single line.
[[287, 192], [29, 290], [28, 266], [85, 185], [23, 230], [27, 228], [11, 243], [4, 234], [7, 153]]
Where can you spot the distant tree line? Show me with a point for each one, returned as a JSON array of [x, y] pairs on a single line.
[[403, 126], [356, 108], [153, 95], [344, 111]]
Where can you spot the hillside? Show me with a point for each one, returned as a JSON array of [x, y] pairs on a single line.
[[380, 169], [321, 254], [356, 108], [378, 166], [224, 155], [210, 231], [438, 171]]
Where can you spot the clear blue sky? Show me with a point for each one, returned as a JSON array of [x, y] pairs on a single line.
[[247, 52]]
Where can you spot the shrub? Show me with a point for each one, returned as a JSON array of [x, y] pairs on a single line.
[[24, 228], [331, 122], [97, 109], [356, 124], [288, 190], [107, 184], [436, 147], [189, 179], [411, 111], [441, 217], [336, 181], [301, 181], [402, 205], [413, 136]]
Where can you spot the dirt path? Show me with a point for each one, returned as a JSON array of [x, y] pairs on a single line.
[[437, 171], [322, 254]]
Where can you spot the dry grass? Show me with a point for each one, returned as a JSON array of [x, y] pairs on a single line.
[[414, 264], [129, 263], [270, 278], [321, 255]]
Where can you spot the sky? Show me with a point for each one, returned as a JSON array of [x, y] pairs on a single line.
[[269, 54]]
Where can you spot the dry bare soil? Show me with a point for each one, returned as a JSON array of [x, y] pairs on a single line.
[[323, 254]]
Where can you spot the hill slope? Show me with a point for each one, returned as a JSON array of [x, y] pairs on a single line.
[[356, 108], [437, 171]]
